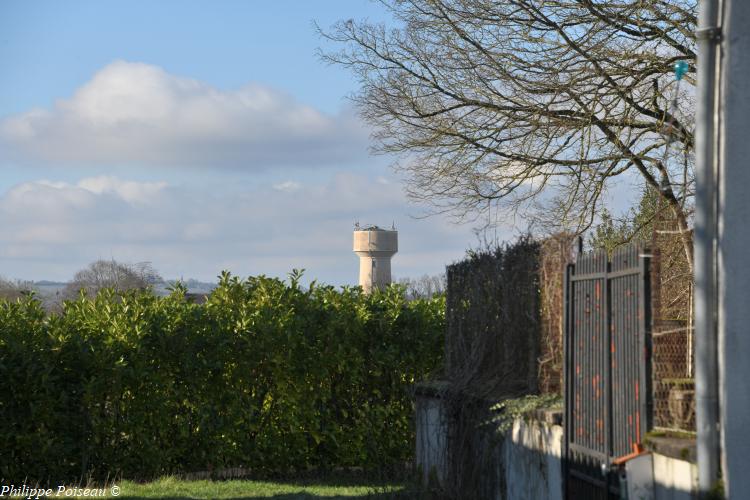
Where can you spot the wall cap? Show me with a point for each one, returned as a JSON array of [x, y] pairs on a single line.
[[678, 447]]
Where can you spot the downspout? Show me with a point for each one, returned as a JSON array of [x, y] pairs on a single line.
[[706, 352]]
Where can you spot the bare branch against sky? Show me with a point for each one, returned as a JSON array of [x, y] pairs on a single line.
[[537, 107]]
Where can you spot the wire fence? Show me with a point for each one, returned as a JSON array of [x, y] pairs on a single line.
[[672, 334], [504, 339], [672, 363]]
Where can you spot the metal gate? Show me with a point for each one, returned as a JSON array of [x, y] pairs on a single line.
[[607, 374]]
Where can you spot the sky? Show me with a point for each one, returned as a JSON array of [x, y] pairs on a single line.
[[200, 136]]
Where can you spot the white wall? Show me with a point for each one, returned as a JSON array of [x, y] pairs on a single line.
[[531, 461], [533, 467], [431, 439], [674, 479]]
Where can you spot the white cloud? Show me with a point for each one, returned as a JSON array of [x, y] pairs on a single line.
[[134, 192], [51, 229], [287, 186], [138, 113], [48, 198]]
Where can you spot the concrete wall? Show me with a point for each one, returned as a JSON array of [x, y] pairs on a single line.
[[674, 479], [530, 464], [527, 461], [533, 467], [431, 439]]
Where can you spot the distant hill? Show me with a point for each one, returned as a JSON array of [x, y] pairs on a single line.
[[47, 288], [49, 283]]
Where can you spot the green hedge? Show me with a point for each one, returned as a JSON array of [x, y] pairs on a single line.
[[266, 375]]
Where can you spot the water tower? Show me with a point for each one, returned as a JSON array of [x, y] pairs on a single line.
[[375, 247]]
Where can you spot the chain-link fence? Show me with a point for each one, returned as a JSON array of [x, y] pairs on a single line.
[[672, 354]]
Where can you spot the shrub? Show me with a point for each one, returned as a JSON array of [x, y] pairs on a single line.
[[265, 374]]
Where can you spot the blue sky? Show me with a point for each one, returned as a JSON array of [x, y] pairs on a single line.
[[48, 48], [199, 136]]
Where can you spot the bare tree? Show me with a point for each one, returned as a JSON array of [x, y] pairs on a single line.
[[529, 105], [424, 287], [12, 290], [112, 274]]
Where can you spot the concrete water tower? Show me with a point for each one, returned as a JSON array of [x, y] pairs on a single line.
[[375, 247]]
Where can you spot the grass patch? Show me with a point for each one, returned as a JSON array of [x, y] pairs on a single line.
[[173, 488]]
